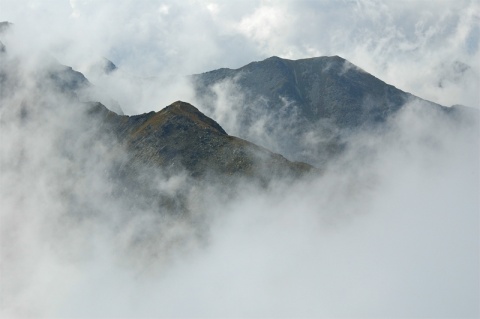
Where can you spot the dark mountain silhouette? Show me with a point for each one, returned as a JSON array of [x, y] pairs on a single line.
[[321, 88], [179, 140], [305, 106], [180, 137], [66, 79]]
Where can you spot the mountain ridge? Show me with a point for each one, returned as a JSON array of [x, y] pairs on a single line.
[[323, 87], [180, 137], [325, 95], [325, 98]]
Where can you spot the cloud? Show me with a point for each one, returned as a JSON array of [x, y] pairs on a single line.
[[390, 233], [389, 230], [265, 25]]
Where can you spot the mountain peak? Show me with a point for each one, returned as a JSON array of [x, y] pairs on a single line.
[[274, 57], [337, 57], [180, 136], [191, 113], [331, 59], [182, 106], [302, 94], [322, 88]]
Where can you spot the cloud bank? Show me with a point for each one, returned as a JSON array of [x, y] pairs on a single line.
[[389, 230]]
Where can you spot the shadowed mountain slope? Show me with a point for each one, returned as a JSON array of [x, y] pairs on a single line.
[[304, 107], [321, 88], [180, 137]]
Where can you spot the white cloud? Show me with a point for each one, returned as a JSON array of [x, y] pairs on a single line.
[[213, 8], [266, 23], [390, 230]]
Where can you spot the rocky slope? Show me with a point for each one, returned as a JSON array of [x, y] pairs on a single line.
[[306, 106], [181, 138], [321, 88]]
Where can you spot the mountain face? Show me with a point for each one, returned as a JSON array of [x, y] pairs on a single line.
[[177, 142], [305, 105], [180, 137], [321, 88], [65, 79]]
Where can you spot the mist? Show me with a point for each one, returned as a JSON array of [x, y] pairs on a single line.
[[390, 229]]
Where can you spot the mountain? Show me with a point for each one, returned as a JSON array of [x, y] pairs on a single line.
[[321, 88], [66, 79], [107, 66], [180, 137], [143, 151], [306, 105]]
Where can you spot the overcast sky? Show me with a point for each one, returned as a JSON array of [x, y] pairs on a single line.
[[415, 45]]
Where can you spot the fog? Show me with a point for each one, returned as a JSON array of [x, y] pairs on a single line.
[[390, 229]]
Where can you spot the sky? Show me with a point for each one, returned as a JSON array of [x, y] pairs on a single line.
[[390, 230], [428, 48]]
